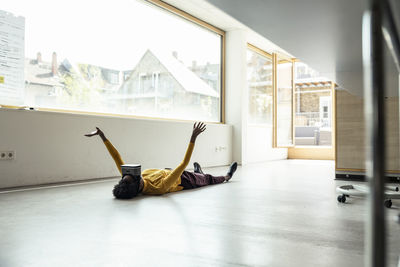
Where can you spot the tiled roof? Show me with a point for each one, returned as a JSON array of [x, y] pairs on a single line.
[[185, 77]]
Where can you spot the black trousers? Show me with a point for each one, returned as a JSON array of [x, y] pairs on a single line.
[[192, 180]]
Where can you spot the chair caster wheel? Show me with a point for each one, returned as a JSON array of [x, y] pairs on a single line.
[[341, 198], [388, 203]]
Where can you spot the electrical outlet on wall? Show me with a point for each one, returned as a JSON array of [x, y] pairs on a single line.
[[219, 148], [7, 155]]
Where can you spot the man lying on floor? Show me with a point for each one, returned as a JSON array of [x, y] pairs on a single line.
[[158, 182]]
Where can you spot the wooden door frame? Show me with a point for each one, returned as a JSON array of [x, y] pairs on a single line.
[[315, 152]]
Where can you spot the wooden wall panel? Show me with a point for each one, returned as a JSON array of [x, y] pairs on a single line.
[[350, 150]]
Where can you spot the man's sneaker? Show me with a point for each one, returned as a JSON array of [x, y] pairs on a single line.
[[232, 170], [197, 168]]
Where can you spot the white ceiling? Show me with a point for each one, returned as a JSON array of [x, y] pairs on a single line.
[[325, 34], [209, 13]]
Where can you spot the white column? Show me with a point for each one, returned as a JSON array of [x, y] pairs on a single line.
[[235, 90]]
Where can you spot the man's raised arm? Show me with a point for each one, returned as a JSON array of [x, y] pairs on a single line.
[[198, 128], [111, 149]]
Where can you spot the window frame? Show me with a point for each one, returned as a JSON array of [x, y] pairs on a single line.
[[186, 16], [284, 59], [265, 54]]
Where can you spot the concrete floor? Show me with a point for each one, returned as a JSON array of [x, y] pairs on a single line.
[[281, 213]]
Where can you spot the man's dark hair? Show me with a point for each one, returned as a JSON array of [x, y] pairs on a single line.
[[126, 189]]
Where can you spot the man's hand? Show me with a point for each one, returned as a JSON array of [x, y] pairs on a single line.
[[198, 128], [97, 132]]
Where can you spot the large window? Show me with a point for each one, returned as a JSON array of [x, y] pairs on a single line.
[[270, 92], [121, 57], [259, 80]]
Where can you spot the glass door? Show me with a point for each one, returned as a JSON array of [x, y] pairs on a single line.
[[314, 115]]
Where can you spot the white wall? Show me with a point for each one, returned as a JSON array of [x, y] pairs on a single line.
[[50, 147], [259, 145], [236, 89]]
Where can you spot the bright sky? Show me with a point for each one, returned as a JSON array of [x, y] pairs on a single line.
[[109, 33]]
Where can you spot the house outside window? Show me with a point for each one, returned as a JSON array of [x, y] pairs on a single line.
[[133, 70], [113, 77], [155, 79]]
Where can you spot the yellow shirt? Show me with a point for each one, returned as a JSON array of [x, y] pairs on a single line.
[[155, 181], [158, 182]]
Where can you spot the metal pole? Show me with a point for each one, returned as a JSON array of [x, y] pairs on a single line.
[[390, 33], [373, 61]]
